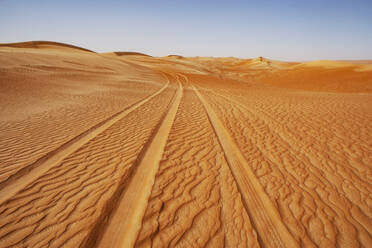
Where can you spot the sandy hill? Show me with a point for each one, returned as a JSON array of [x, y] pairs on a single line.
[[130, 53], [43, 44], [358, 61], [176, 56], [322, 75]]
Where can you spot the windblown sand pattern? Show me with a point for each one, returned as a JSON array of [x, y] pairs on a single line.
[[128, 150]]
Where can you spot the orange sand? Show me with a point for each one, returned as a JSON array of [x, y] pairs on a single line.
[[128, 150]]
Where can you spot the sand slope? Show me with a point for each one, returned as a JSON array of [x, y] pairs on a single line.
[[127, 150]]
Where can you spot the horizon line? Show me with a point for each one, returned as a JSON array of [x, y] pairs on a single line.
[[76, 46]]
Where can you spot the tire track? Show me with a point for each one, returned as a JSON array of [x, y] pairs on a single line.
[[195, 201], [50, 115], [125, 223], [31, 172], [319, 201], [264, 215], [62, 206]]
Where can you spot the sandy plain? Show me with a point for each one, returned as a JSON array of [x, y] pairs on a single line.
[[128, 150]]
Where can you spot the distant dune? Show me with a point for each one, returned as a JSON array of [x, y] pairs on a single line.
[[327, 64], [130, 53], [324, 75], [115, 150], [175, 56], [42, 44], [358, 61], [320, 75]]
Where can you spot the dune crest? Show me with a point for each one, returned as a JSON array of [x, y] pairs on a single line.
[[130, 53], [43, 44]]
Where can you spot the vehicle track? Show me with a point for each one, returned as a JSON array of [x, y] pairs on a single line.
[[45, 119], [264, 215], [62, 206], [301, 178], [125, 222], [26, 175], [195, 201]]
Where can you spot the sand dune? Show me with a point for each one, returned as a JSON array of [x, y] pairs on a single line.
[[321, 76], [130, 53], [128, 150], [43, 45]]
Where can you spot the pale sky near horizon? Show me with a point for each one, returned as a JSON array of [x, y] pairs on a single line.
[[292, 30]]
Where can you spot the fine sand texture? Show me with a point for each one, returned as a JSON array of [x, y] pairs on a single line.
[[123, 149]]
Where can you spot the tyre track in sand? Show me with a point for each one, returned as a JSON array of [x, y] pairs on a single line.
[[26, 139], [61, 207], [26, 175], [266, 219], [195, 201], [124, 223], [311, 192]]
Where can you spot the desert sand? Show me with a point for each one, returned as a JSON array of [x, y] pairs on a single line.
[[122, 149]]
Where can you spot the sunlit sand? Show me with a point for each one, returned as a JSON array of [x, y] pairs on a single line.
[[123, 149]]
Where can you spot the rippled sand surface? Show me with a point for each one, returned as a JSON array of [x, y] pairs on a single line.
[[127, 150]]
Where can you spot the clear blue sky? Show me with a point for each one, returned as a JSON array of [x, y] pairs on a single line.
[[278, 29]]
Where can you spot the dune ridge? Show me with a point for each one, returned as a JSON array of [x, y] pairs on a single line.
[[41, 44], [131, 53]]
